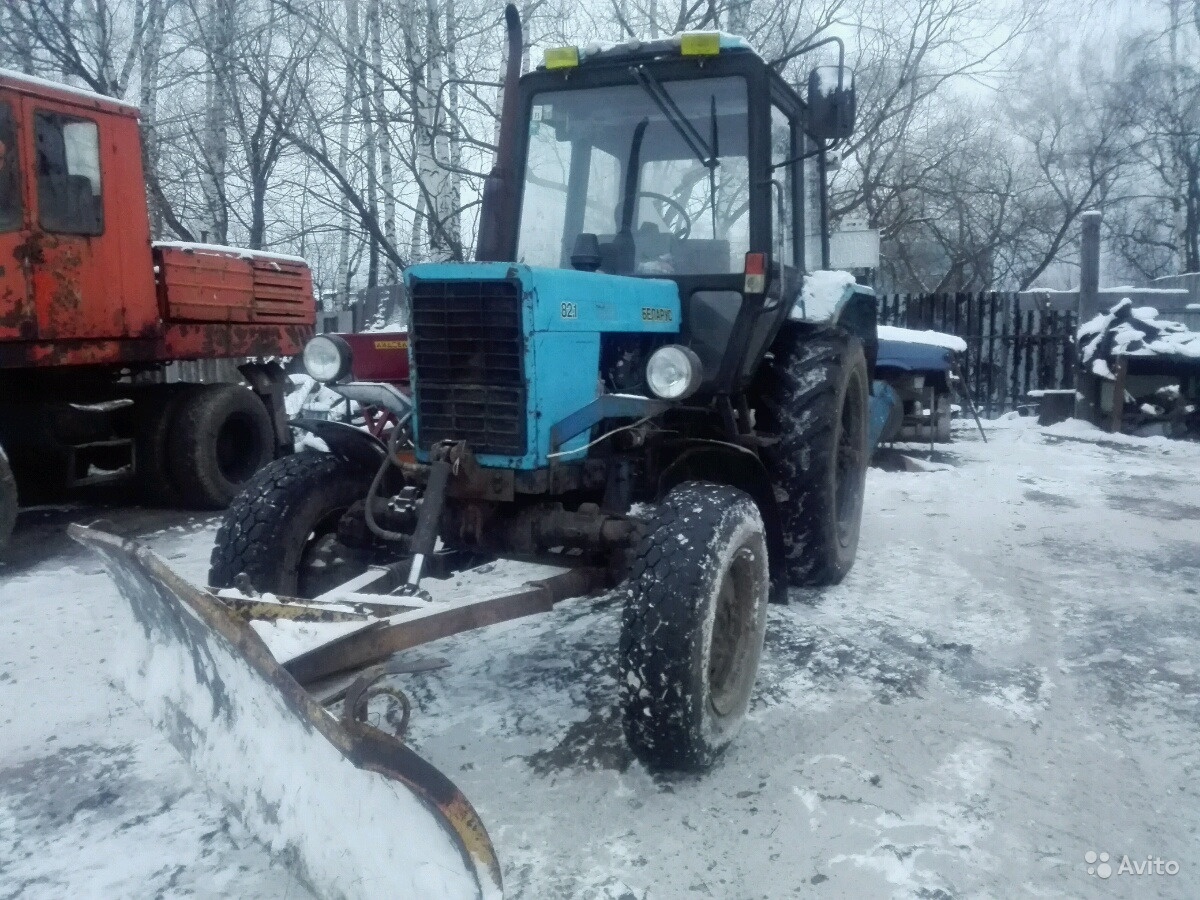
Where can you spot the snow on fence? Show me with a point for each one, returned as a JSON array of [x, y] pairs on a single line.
[[1012, 348]]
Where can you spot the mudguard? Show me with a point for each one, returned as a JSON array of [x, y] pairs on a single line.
[[350, 443], [354, 811]]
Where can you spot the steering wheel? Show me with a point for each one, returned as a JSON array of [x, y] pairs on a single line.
[[684, 231]]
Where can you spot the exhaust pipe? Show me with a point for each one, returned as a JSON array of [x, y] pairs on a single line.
[[496, 218]]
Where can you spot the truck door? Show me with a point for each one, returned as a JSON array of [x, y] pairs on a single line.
[[17, 317], [76, 261]]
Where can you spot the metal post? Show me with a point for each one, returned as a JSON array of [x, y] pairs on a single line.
[[1089, 266], [1118, 399], [822, 172], [1089, 305]]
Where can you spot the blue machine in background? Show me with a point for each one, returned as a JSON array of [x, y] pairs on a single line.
[[919, 376]]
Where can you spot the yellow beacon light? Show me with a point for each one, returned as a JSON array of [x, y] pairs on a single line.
[[700, 43], [562, 58]]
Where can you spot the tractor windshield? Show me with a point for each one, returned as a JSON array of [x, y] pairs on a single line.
[[656, 171]]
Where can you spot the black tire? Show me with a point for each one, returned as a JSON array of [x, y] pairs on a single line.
[[287, 514], [693, 625], [812, 394], [221, 435], [155, 411], [8, 501]]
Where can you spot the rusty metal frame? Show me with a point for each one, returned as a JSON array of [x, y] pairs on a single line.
[[431, 621], [392, 623]]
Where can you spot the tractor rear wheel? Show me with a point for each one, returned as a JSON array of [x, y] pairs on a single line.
[[221, 434], [812, 394], [693, 625], [281, 531], [8, 501]]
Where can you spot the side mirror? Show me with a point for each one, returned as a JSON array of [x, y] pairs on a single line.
[[832, 105]]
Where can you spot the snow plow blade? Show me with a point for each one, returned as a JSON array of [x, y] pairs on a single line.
[[354, 812]]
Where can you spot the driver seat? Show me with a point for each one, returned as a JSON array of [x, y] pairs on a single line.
[[653, 246]]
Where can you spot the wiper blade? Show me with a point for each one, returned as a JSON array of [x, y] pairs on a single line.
[[669, 108]]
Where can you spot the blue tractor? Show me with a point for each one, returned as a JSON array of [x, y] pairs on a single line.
[[622, 385]]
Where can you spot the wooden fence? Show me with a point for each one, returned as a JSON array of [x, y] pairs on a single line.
[[1012, 348]]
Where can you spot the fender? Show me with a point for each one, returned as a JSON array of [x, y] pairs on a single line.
[[741, 468], [351, 444]]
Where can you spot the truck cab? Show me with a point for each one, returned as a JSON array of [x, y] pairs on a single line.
[[73, 251]]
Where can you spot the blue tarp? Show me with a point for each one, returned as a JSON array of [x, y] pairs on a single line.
[[899, 356]]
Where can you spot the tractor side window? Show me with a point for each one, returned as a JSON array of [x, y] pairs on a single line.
[[10, 171], [783, 221], [548, 172], [811, 213], [68, 174]]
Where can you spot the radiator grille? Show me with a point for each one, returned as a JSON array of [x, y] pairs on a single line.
[[467, 345]]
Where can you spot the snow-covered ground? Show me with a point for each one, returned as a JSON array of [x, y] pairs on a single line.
[[1008, 679]]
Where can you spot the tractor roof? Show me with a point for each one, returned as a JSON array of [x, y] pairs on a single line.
[[63, 93]]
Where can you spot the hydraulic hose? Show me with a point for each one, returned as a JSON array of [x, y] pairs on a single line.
[[389, 461]]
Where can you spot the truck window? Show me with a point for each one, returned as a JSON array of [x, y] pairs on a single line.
[[10, 171], [68, 174]]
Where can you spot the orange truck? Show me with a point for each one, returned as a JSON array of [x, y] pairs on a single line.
[[89, 305]]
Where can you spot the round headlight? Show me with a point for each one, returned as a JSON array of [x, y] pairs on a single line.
[[674, 372], [327, 358]]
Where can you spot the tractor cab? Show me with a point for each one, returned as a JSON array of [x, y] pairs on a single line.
[[671, 159]]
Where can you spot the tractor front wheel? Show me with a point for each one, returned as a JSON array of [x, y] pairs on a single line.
[[281, 530], [693, 625], [812, 395]]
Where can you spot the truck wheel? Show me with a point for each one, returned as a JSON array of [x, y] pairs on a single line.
[[692, 630], [221, 435], [280, 530], [812, 394], [8, 501], [155, 410]]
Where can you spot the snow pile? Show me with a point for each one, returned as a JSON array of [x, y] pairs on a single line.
[[1127, 330], [823, 291], [931, 338], [309, 398], [396, 323]]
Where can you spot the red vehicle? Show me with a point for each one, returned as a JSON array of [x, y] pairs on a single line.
[[88, 303]]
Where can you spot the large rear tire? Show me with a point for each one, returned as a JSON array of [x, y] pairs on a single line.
[[8, 501], [220, 436], [693, 625], [812, 394], [281, 529]]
